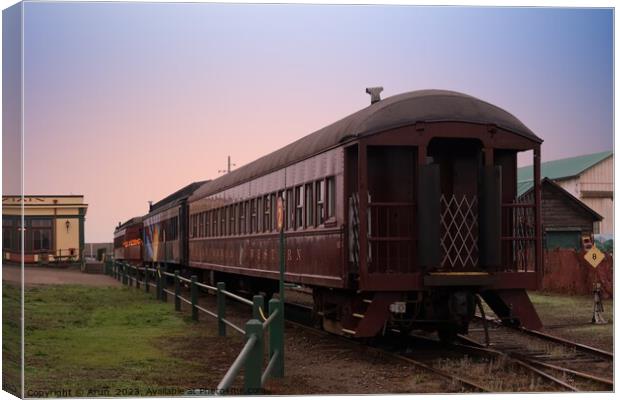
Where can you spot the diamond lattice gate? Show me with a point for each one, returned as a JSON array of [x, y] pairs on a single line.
[[459, 232]]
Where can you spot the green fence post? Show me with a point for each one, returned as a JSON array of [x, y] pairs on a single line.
[[164, 295], [177, 291], [254, 362], [258, 303], [194, 292], [117, 272], [137, 278], [158, 284], [125, 272], [130, 275], [221, 308], [146, 279], [276, 338]]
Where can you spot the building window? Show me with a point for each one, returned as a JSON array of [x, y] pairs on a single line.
[[7, 233], [41, 234], [330, 195], [299, 207], [7, 236], [309, 206]]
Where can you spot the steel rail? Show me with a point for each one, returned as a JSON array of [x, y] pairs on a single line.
[[443, 374], [580, 346], [572, 372], [478, 347], [553, 338]]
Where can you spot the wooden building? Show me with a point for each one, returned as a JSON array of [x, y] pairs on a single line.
[[567, 221], [53, 228], [588, 178]]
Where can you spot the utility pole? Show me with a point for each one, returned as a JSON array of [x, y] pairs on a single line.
[[228, 169]]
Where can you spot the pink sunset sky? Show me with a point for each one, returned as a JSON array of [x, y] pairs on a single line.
[[126, 103]]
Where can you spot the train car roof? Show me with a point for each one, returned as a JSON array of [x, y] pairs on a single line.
[[176, 197], [131, 221], [392, 112]]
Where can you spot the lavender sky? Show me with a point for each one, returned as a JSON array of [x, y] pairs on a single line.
[[126, 103]]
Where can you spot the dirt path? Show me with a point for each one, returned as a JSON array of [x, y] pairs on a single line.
[[55, 276]]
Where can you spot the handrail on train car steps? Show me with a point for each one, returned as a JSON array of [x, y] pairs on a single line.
[[250, 359]]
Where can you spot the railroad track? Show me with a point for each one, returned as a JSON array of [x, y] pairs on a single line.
[[453, 362], [297, 315], [570, 365], [545, 365]]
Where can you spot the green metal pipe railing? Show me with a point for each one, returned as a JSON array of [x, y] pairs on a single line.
[[250, 359]]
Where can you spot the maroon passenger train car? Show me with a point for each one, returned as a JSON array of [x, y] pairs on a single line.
[[165, 229], [397, 216], [128, 241]]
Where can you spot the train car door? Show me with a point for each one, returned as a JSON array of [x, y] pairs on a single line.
[[386, 201]]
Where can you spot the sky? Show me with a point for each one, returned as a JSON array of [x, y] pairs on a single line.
[[126, 103]]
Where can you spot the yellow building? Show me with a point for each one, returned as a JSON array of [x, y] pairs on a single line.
[[53, 228]]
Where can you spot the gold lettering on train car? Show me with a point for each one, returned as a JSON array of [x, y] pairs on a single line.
[[298, 254], [289, 255]]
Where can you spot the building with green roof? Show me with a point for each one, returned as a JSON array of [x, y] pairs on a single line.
[[588, 178]]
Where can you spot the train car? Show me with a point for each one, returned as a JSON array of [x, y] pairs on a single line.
[[165, 229], [398, 216], [128, 241]]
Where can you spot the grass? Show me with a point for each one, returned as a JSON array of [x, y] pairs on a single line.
[[11, 339], [570, 316], [93, 341]]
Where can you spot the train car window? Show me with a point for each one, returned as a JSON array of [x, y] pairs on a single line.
[[330, 195], [248, 210], [231, 220], [290, 209], [254, 216], [207, 223], [272, 204], [320, 202], [299, 207], [194, 225], [259, 213], [241, 218], [223, 221], [201, 224], [267, 214], [309, 206], [214, 214]]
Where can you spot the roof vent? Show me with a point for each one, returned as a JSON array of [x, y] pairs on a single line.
[[375, 93]]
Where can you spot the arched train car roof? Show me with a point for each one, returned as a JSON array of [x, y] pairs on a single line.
[[392, 112]]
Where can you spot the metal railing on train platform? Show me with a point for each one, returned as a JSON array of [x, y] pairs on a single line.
[[250, 359]]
